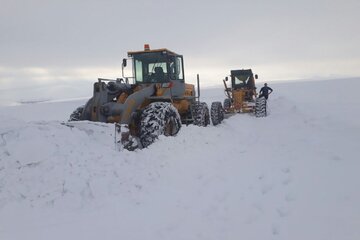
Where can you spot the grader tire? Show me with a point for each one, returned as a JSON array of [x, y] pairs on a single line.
[[201, 115], [217, 113], [227, 104], [260, 107]]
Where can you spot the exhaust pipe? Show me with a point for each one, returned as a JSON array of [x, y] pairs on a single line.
[[198, 86]]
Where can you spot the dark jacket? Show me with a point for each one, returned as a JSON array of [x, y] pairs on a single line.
[[265, 90]]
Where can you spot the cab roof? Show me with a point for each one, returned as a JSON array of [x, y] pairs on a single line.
[[131, 53], [241, 72]]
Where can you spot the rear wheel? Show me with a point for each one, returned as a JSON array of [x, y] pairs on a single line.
[[83, 112], [76, 115], [201, 115], [156, 119], [86, 115], [217, 113], [260, 107]]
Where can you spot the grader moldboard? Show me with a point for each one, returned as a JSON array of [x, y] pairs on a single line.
[[157, 101], [241, 97]]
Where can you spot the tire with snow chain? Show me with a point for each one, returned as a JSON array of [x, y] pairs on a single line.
[[86, 114], [217, 113], [156, 119], [207, 113], [201, 115], [77, 114], [227, 104], [83, 112], [260, 107]]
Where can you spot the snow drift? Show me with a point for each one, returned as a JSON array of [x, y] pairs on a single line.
[[292, 175]]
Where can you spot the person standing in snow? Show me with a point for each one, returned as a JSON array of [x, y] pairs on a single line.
[[265, 91]]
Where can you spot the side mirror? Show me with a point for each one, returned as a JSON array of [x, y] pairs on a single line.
[[124, 63], [256, 76], [226, 78]]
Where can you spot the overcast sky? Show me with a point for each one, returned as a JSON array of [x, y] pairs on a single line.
[[44, 41]]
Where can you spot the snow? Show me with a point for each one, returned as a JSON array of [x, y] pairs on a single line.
[[291, 175]]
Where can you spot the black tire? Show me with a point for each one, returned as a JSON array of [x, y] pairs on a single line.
[[76, 115], [86, 115], [260, 107], [200, 113], [83, 112], [156, 119], [227, 104], [217, 113], [207, 113]]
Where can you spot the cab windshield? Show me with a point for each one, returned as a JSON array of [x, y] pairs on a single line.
[[157, 67], [240, 80]]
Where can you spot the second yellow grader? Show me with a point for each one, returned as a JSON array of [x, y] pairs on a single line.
[[241, 96]]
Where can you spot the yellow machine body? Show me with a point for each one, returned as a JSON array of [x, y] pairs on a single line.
[[241, 96]]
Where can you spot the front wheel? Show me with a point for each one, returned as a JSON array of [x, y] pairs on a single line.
[[159, 118], [227, 104], [260, 107]]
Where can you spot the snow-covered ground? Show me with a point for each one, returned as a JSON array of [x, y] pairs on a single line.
[[292, 175]]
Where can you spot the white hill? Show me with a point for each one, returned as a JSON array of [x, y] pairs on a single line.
[[291, 175]]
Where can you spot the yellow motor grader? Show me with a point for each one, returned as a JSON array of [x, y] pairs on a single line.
[[241, 96], [157, 101]]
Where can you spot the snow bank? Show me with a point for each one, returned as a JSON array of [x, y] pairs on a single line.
[[292, 175]]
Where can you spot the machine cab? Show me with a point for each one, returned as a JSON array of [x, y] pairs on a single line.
[[157, 66], [243, 79]]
